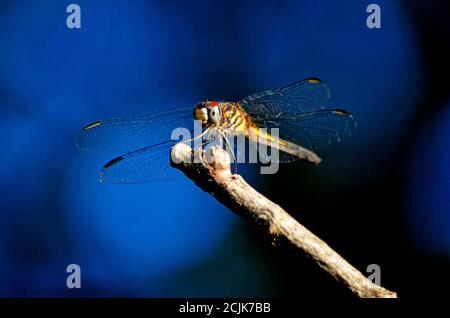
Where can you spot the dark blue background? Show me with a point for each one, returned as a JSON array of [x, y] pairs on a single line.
[[380, 197]]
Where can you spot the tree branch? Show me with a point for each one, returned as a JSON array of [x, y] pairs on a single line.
[[210, 171]]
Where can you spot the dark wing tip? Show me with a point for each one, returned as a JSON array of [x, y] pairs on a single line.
[[82, 135], [317, 81], [112, 162], [92, 125], [342, 113], [108, 165], [314, 80], [352, 123]]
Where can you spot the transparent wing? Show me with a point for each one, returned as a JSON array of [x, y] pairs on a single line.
[[305, 96], [311, 130], [143, 165], [131, 133], [297, 110]]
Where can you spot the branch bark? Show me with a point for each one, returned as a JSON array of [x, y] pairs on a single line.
[[210, 171]]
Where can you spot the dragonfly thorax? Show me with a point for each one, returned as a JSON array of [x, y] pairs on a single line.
[[208, 112]]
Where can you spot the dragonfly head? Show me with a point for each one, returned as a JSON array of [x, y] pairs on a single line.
[[208, 112]]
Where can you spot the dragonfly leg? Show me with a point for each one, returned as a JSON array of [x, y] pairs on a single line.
[[197, 137], [228, 145], [210, 139]]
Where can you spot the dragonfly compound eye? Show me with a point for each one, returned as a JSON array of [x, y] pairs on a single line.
[[214, 114]]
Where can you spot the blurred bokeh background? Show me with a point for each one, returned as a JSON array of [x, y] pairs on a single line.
[[381, 197]]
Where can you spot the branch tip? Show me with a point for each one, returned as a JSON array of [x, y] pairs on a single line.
[[210, 170]]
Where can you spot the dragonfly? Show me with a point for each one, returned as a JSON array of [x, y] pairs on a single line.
[[144, 142]]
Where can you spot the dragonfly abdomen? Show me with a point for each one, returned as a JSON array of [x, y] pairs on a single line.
[[264, 138]]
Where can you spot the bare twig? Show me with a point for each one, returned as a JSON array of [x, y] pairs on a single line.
[[236, 194]]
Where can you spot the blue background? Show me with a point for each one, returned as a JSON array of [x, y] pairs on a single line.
[[169, 239]]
